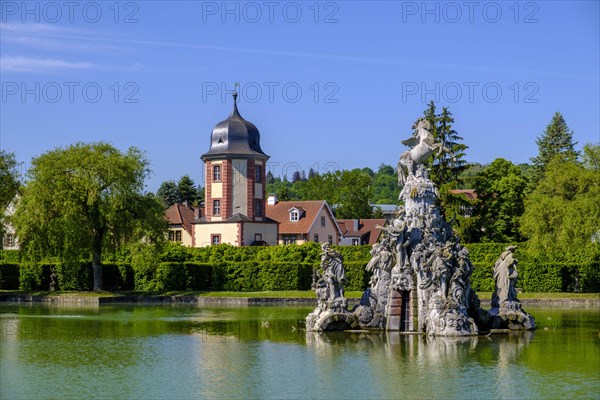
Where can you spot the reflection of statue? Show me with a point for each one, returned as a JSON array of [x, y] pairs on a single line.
[[505, 274], [423, 145], [53, 281]]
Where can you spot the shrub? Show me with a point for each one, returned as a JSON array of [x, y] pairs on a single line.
[[482, 278], [73, 275], [10, 256], [118, 276], [356, 275], [34, 276]]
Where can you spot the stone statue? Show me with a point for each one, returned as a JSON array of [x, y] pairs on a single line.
[[505, 274], [333, 272], [420, 274], [423, 146], [506, 312], [331, 312]]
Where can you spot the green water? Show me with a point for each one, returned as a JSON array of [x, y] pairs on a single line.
[[156, 352]]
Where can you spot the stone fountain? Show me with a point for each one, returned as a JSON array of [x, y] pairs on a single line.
[[420, 273]]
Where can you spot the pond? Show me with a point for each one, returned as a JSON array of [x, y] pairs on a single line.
[[179, 351]]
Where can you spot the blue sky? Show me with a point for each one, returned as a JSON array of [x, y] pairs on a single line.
[[333, 84]]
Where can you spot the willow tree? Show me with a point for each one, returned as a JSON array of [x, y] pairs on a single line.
[[9, 184], [84, 199]]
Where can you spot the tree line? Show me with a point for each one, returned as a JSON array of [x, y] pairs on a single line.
[[88, 199]]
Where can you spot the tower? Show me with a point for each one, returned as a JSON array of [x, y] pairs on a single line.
[[235, 171]]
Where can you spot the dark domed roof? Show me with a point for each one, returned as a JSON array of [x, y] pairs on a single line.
[[234, 137]]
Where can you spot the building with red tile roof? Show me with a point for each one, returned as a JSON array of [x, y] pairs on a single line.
[[180, 219], [360, 231], [303, 221]]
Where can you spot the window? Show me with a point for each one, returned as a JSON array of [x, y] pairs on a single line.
[[316, 238], [330, 239], [289, 239], [215, 239], [216, 173], [175, 236], [294, 216], [258, 174], [9, 240], [322, 221], [258, 237], [216, 207], [355, 241], [258, 208]]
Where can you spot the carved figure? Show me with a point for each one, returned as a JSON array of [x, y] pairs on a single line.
[[333, 272], [398, 230], [505, 274], [423, 146]]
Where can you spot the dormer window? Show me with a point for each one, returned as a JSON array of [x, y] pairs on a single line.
[[294, 215]]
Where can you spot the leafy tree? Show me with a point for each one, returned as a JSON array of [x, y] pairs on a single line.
[[9, 184], [83, 200], [466, 180], [562, 214], [500, 189], [186, 187], [591, 157], [9, 177], [347, 191], [312, 173], [385, 185], [556, 140], [168, 193], [354, 192], [270, 177]]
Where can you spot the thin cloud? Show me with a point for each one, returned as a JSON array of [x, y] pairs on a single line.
[[31, 28], [30, 64], [332, 57]]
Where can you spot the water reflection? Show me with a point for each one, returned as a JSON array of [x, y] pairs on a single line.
[[263, 352]]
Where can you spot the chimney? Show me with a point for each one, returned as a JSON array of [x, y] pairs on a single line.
[[355, 225], [271, 200], [196, 212], [185, 203]]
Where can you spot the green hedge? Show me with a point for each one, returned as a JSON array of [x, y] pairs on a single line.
[[356, 275], [482, 278], [225, 267]]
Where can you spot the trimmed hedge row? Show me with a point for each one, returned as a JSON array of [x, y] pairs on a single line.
[[225, 267]]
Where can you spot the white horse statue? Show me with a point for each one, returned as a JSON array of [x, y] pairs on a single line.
[[423, 146]]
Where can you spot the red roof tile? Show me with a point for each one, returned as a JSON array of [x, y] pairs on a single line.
[[366, 229], [179, 214], [280, 212], [471, 194]]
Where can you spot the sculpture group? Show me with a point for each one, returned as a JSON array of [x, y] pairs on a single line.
[[420, 278]]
